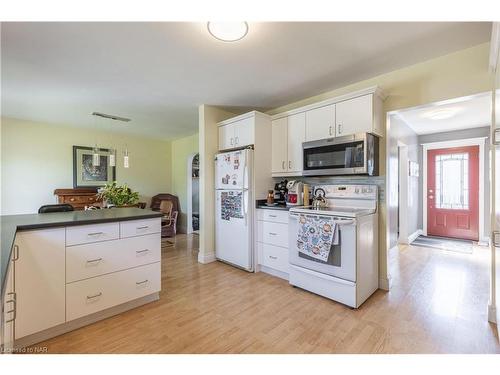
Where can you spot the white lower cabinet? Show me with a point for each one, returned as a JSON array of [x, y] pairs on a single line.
[[39, 280], [61, 274], [99, 293], [8, 311], [90, 260], [272, 242]]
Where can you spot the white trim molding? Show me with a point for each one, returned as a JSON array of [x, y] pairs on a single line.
[[206, 258], [494, 46], [480, 141], [412, 237], [189, 198], [492, 313], [385, 283]]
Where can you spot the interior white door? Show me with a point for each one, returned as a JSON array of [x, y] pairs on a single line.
[[231, 171], [354, 116], [279, 158], [233, 228], [40, 280], [244, 131], [320, 123], [296, 136]]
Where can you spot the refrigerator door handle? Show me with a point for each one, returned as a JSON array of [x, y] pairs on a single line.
[[245, 190]]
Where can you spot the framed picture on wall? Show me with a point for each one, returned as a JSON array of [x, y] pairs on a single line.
[[85, 174]]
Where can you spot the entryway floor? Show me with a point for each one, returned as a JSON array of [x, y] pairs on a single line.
[[437, 304], [444, 243]]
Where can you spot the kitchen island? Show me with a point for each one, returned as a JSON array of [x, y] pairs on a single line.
[[61, 271]]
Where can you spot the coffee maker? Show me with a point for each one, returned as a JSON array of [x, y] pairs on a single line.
[[294, 196], [280, 192]]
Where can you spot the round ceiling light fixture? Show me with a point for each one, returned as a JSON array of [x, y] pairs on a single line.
[[228, 31]]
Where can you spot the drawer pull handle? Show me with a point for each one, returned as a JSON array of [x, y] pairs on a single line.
[[142, 251], [95, 234], [95, 295], [144, 227], [141, 282], [94, 260], [14, 308], [273, 234], [273, 257], [273, 216]]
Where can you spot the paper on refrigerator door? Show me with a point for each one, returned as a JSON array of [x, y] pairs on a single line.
[[230, 170], [231, 205]]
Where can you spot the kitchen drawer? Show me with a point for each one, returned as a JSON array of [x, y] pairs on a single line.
[[140, 227], [82, 234], [272, 233], [81, 199], [102, 292], [273, 257], [95, 259], [276, 216]]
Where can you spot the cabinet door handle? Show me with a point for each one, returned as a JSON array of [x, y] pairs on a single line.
[[16, 253], [236, 140], [289, 164], [142, 251], [283, 165], [144, 227], [141, 282], [95, 295], [329, 130], [94, 260], [95, 234], [273, 216], [231, 141], [273, 257], [340, 128], [273, 234]]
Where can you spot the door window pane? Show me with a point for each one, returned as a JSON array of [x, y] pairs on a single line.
[[452, 181]]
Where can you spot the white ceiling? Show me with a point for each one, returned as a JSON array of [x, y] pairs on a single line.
[[158, 73], [469, 112]]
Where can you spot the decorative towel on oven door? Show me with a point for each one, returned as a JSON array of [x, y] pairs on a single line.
[[316, 235]]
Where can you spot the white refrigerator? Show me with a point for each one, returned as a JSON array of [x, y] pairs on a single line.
[[234, 208]]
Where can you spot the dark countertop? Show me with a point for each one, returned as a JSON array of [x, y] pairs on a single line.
[[261, 203], [10, 224]]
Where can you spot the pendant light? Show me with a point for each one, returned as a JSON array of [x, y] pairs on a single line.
[[96, 158], [125, 158], [112, 157]]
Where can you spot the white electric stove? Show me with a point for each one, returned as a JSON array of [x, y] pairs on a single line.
[[350, 274]]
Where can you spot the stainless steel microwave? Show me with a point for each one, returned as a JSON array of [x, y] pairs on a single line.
[[355, 154]]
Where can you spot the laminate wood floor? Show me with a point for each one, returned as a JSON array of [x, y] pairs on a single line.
[[437, 304]]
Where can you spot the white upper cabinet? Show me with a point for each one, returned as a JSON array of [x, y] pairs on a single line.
[[296, 136], [237, 134], [226, 137], [320, 123], [279, 157], [40, 280], [355, 116]]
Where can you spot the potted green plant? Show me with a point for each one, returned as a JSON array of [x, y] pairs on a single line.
[[115, 195]]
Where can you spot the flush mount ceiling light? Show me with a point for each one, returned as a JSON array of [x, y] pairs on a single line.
[[228, 31], [441, 113]]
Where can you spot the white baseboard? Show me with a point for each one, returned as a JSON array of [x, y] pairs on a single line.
[[492, 313], [206, 258], [384, 283], [412, 237]]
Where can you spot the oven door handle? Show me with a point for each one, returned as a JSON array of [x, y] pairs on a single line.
[[338, 222], [343, 222]]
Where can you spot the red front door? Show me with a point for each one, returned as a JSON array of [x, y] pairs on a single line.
[[453, 192]]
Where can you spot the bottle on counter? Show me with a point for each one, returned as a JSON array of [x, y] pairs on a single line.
[[270, 197]]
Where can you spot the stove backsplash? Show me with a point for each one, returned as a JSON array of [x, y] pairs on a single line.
[[330, 180]]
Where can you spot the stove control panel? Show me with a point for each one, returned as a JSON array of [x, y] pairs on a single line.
[[349, 191]]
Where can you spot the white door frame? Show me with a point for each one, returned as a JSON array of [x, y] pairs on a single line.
[[189, 194], [480, 141], [403, 192]]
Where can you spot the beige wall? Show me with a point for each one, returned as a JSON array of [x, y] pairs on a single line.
[[458, 74], [182, 150], [37, 158], [208, 118]]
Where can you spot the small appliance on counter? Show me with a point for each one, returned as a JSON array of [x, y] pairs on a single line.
[[294, 196], [280, 192]]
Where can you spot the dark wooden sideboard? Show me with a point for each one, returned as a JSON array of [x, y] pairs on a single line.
[[78, 198]]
